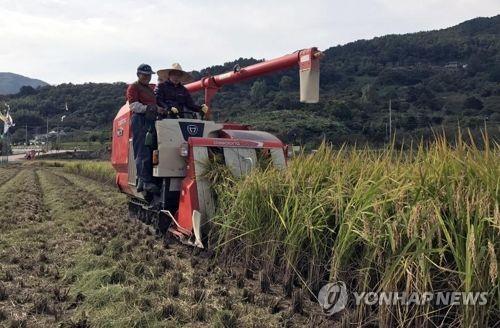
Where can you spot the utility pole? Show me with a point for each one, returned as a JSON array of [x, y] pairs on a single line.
[[390, 120], [47, 135], [57, 147]]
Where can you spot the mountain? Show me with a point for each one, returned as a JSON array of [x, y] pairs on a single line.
[[11, 83], [436, 80]]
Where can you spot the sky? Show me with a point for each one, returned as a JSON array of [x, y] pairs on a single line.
[[61, 41]]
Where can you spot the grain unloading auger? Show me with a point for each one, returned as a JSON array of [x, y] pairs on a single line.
[[185, 202]]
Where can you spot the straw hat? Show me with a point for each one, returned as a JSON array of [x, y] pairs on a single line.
[[185, 78]]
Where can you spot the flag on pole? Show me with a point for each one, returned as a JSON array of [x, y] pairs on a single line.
[[8, 122], [7, 119], [3, 119]]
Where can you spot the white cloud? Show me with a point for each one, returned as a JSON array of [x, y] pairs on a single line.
[[77, 41]]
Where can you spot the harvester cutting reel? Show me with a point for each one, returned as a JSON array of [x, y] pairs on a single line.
[[188, 216]]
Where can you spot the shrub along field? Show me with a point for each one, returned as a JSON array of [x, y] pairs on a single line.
[[411, 221]]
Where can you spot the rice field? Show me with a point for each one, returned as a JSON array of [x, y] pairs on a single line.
[[420, 220], [423, 219]]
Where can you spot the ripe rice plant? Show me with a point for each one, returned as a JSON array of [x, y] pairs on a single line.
[[420, 220], [96, 170], [100, 171]]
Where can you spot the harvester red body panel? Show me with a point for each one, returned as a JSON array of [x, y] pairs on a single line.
[[120, 147], [183, 177]]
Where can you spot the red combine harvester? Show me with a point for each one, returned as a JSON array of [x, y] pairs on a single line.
[[185, 202]]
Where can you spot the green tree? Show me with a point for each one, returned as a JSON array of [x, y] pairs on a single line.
[[286, 83], [281, 101], [495, 74], [258, 90], [341, 111], [473, 103], [26, 90], [368, 93]]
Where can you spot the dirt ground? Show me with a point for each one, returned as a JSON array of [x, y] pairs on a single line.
[[70, 257]]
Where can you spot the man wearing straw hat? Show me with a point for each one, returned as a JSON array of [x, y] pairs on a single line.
[[142, 102], [172, 95]]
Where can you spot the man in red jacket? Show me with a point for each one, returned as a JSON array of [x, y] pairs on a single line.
[[142, 102]]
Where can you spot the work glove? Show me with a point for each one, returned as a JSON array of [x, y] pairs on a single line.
[[151, 108], [204, 108], [151, 112], [161, 110], [174, 110]]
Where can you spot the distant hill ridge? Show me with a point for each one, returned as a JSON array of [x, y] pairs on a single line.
[[11, 83]]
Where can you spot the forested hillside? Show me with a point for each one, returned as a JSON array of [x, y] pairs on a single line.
[[439, 79]]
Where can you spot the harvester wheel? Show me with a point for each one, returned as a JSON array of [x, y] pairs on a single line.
[[155, 218], [148, 217], [163, 223], [133, 211], [142, 215]]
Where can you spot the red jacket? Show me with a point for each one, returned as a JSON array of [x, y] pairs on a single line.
[[139, 96]]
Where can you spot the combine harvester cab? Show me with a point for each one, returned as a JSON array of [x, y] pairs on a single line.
[[185, 146]]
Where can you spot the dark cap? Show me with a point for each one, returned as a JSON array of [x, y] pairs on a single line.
[[144, 69]]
